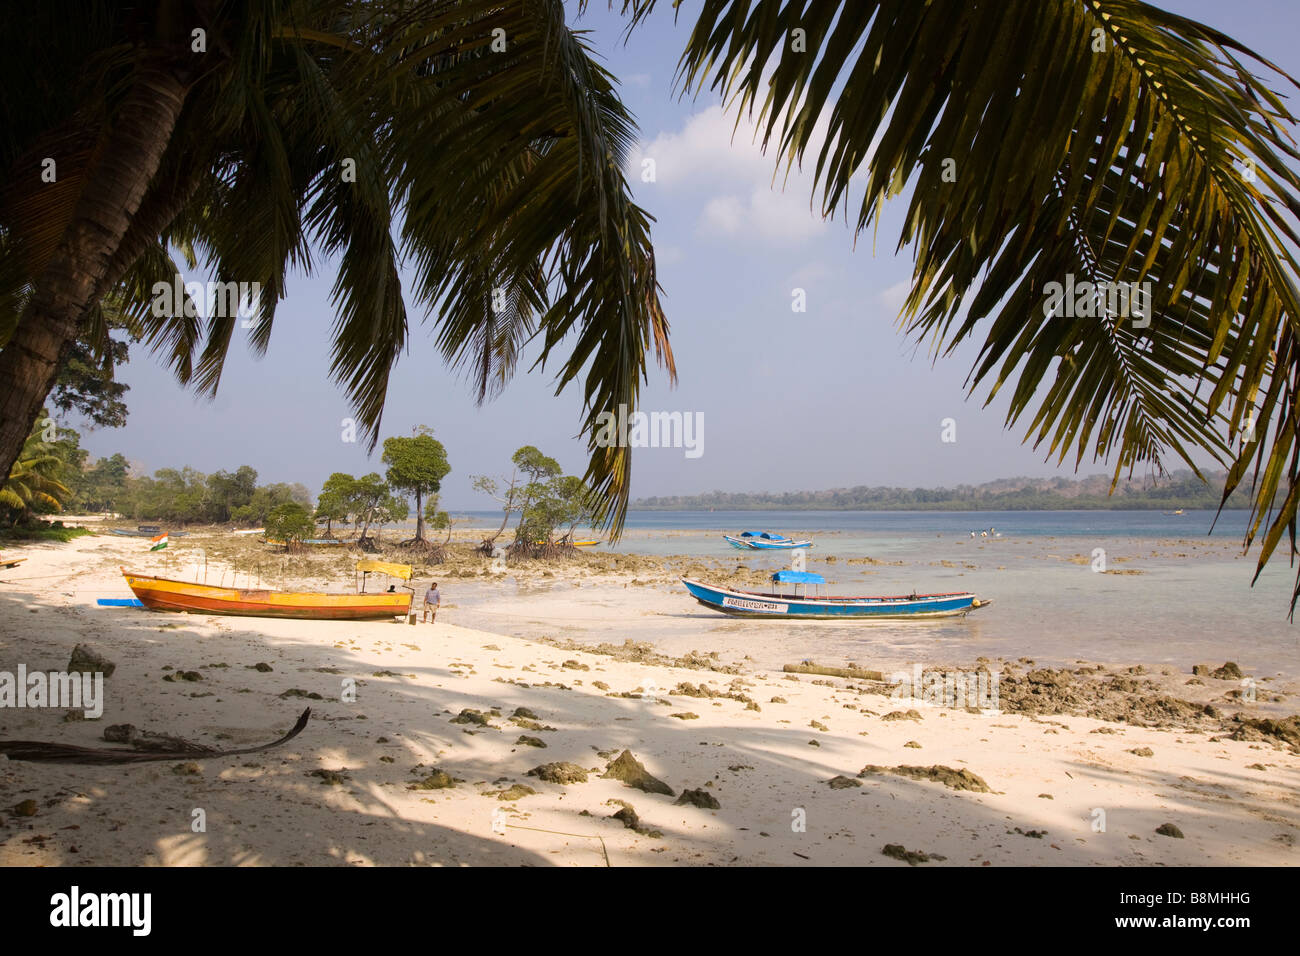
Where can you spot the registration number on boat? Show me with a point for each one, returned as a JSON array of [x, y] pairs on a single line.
[[747, 605]]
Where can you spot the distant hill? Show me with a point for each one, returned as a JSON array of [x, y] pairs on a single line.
[[1180, 489]]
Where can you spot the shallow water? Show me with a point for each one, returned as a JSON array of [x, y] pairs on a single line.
[[1191, 603]]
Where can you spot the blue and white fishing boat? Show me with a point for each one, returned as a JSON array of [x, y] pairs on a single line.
[[797, 604], [764, 541]]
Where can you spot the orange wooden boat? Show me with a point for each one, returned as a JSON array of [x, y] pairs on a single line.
[[164, 594]]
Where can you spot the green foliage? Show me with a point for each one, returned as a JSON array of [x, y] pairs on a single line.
[[535, 466], [548, 500], [416, 466], [291, 523], [335, 501], [371, 501], [266, 498], [104, 485], [35, 484], [41, 531], [493, 180], [436, 519], [86, 381], [1108, 140], [230, 495], [506, 493]]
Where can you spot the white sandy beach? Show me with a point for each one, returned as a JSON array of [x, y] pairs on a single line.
[[1236, 801]]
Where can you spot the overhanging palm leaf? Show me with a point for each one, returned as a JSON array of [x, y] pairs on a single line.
[[34, 479], [481, 168], [1105, 139]]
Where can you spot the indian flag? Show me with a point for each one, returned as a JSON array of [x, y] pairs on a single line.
[[159, 542]]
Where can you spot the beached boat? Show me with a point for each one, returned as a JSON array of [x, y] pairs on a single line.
[[164, 594], [779, 604], [318, 542], [585, 544], [11, 562], [764, 541], [146, 531]]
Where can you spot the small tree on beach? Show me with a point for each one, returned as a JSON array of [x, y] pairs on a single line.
[[369, 496], [438, 521], [537, 506], [416, 466], [291, 523], [576, 504], [394, 509], [505, 493], [335, 501]]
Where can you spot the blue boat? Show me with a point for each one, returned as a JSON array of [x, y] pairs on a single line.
[[764, 541], [799, 605]]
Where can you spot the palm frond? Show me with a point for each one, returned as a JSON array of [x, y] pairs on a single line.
[[1104, 140]]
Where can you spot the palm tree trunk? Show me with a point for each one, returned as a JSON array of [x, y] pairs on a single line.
[[115, 187], [419, 517]]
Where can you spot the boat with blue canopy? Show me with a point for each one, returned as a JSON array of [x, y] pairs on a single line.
[[798, 603], [764, 541]]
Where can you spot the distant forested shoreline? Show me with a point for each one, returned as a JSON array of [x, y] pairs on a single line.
[[1178, 490]]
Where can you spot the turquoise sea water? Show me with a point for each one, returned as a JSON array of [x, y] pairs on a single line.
[[1180, 595], [902, 524]]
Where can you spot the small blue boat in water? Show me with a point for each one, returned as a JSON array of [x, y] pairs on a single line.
[[764, 541], [779, 604]]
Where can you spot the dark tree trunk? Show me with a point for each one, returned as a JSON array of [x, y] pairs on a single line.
[[419, 517], [114, 189]]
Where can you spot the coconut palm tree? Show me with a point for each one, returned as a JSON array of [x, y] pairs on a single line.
[[475, 142], [34, 481], [1057, 141]]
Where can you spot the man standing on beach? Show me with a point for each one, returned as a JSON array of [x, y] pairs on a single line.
[[431, 601]]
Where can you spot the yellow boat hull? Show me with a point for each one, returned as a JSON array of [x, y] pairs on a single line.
[[164, 594]]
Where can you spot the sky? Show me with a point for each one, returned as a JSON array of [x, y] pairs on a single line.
[[834, 396]]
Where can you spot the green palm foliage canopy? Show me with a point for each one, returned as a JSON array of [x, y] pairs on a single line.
[[33, 482], [1107, 140], [474, 142]]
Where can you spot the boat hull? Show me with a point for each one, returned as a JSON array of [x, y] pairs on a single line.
[[753, 544], [753, 604], [163, 594]]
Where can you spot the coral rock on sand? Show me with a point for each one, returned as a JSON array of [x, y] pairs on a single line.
[[1229, 671], [842, 782], [954, 779], [627, 815], [1169, 830], [1284, 731], [698, 798], [902, 715], [438, 780], [910, 857], [87, 660], [630, 770], [526, 741], [516, 792], [562, 773], [1049, 678]]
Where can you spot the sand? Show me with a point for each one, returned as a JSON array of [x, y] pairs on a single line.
[[772, 762]]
